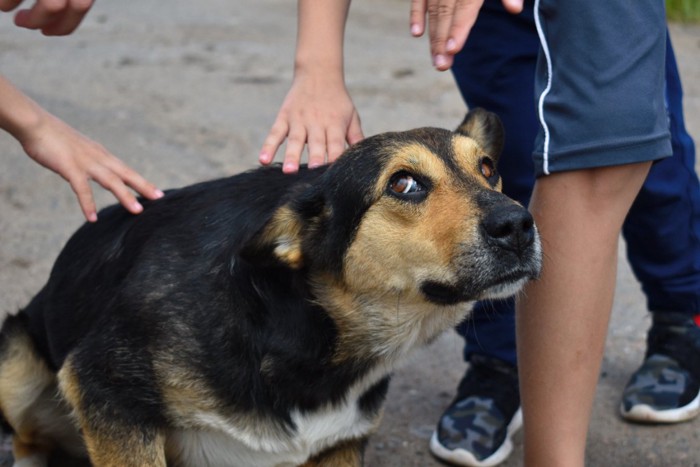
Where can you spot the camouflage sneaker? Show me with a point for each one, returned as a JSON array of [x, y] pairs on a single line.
[[666, 388], [476, 429]]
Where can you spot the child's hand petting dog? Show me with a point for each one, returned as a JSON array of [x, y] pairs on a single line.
[[317, 112], [58, 147], [78, 159]]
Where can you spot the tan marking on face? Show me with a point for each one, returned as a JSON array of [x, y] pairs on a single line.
[[399, 244], [468, 155]]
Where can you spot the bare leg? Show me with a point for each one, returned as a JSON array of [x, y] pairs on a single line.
[[562, 318]]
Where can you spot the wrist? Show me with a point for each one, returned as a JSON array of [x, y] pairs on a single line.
[[320, 38], [319, 69], [24, 121]]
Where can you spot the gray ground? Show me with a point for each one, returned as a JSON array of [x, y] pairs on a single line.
[[187, 91]]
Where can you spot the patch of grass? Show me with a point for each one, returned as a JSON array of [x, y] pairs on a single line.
[[683, 10]]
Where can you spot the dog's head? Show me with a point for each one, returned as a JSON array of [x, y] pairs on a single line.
[[416, 217]]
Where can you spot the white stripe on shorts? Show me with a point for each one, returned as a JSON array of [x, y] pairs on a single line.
[[540, 105]]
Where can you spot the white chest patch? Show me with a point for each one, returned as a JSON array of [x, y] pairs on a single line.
[[252, 441]]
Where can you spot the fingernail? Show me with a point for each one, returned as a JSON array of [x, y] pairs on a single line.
[[136, 206], [92, 217], [450, 45], [415, 29], [515, 5], [264, 158], [289, 168], [439, 61], [159, 194]]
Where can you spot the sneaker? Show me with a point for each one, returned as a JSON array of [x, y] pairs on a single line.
[[477, 428], [666, 388]]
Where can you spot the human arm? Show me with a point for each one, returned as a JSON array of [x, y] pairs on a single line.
[[449, 23], [60, 148], [52, 17], [318, 111]]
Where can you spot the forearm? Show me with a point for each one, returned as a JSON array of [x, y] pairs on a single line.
[[18, 113], [55, 145], [321, 29], [318, 111]]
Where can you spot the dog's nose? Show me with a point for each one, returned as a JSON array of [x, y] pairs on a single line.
[[511, 228]]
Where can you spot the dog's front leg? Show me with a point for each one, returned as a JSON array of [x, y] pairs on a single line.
[[346, 454], [118, 451], [111, 443]]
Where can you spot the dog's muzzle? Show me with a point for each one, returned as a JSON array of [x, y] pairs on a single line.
[[506, 255]]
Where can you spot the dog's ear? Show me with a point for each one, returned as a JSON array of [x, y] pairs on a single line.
[[485, 128], [281, 238]]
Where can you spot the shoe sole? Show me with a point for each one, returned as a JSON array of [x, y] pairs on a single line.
[[465, 458], [643, 413]]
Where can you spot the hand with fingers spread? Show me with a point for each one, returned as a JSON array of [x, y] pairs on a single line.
[[317, 111], [76, 158], [52, 17], [449, 23]]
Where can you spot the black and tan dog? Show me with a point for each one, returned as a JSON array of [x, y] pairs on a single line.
[[255, 320]]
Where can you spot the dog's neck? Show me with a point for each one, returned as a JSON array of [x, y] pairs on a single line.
[[386, 330]]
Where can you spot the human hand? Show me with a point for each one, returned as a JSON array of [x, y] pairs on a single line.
[[317, 112], [78, 159], [449, 23], [52, 17]]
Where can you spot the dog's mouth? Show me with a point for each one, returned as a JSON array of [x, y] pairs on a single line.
[[443, 294], [505, 288], [450, 294]]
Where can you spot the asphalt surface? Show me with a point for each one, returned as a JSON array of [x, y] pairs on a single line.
[[186, 91]]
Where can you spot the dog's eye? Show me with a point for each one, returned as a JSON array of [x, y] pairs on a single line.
[[488, 169], [404, 185]]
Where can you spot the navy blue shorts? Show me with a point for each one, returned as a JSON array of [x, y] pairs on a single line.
[[495, 70], [599, 85]]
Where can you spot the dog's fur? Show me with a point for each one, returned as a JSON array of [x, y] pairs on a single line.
[[255, 320]]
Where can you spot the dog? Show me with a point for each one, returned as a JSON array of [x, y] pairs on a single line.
[[256, 320]]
